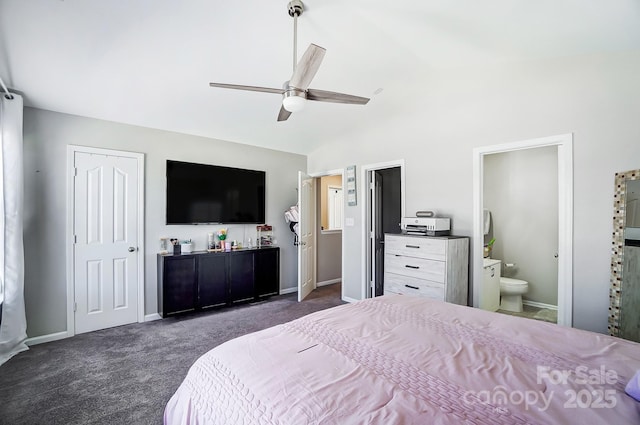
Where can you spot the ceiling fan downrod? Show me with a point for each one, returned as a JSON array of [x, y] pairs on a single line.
[[295, 9], [296, 91]]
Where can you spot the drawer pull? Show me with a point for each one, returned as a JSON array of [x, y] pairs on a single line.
[[412, 287], [413, 246], [412, 267]]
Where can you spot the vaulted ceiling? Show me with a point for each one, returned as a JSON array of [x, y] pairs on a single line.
[[149, 62]]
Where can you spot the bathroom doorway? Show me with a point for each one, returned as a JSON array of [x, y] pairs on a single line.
[[526, 188]]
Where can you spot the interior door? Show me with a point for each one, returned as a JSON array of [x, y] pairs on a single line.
[[378, 236], [307, 242], [386, 213], [106, 245]]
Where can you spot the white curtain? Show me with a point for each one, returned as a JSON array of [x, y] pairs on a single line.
[[13, 325]]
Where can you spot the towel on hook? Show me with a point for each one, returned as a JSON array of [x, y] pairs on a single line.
[[487, 220], [291, 215]]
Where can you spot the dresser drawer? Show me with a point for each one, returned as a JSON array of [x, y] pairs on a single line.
[[415, 267], [434, 249], [396, 284], [391, 289]]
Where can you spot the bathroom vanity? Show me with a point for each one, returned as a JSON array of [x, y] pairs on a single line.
[[490, 294], [434, 267]]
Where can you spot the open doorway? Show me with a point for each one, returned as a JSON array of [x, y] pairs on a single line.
[[329, 217], [384, 208], [560, 149], [521, 203], [320, 245]]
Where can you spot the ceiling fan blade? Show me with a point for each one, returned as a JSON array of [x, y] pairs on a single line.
[[307, 67], [248, 88], [284, 114], [330, 96]]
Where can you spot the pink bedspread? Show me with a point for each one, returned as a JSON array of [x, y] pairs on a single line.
[[405, 360]]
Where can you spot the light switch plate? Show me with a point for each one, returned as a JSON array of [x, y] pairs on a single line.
[[349, 221]]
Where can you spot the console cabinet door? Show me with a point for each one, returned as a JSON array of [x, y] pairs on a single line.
[[267, 272], [241, 276], [179, 284], [212, 280]]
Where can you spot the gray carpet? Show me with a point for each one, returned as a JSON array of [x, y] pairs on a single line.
[[126, 375]]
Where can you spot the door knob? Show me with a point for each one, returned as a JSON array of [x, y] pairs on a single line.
[[131, 249]]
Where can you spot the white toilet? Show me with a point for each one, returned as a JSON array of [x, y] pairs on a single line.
[[511, 291]]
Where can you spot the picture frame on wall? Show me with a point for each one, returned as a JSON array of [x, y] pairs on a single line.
[[352, 199]]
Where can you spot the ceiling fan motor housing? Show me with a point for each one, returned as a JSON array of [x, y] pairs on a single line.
[[295, 8], [293, 100]]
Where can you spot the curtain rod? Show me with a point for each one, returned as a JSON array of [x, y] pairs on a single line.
[[9, 95]]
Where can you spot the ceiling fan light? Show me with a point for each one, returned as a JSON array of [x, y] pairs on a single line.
[[294, 103]]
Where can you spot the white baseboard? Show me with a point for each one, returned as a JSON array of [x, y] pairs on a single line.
[[155, 316], [47, 338], [539, 305], [329, 282], [288, 290], [151, 317], [62, 335], [295, 288]]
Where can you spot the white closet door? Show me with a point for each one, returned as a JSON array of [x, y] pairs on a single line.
[[105, 251]]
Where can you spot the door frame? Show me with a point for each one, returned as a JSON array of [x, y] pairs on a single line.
[[367, 255], [316, 176], [564, 143], [139, 157]]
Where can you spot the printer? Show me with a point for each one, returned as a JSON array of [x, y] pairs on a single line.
[[426, 226]]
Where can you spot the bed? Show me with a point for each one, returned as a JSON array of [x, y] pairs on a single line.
[[406, 360]]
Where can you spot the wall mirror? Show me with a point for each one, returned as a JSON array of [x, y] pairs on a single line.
[[624, 293]]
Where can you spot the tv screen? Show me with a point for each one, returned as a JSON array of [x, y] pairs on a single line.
[[199, 193]]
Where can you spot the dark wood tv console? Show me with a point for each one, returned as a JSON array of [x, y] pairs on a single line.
[[202, 280]]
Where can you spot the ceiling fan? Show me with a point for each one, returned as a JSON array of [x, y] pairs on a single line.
[[296, 91]]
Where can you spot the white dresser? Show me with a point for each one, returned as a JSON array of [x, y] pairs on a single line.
[[434, 267]]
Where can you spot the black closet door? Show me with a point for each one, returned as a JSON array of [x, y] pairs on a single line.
[[267, 272], [179, 285], [241, 276], [212, 280]]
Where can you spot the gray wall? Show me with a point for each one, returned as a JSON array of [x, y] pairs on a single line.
[[446, 115], [46, 136], [521, 191]]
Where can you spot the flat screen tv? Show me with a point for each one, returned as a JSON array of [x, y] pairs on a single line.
[[206, 194]]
